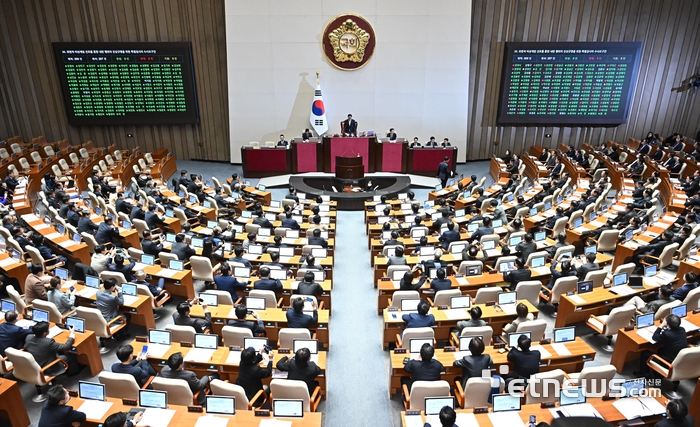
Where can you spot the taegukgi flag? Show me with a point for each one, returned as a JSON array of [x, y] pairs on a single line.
[[317, 118]]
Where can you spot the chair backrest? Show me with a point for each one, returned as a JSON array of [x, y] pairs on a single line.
[[36, 157], [535, 327], [180, 214], [54, 315], [484, 295], [476, 392], [56, 170], [25, 367], [619, 318], [179, 392], [422, 389], [665, 309], [625, 268], [84, 153], [288, 335], [117, 155], [535, 255], [402, 295], [166, 257], [140, 226], [597, 277], [692, 299], [464, 264], [541, 391], [142, 164], [666, 257], [529, 290], [561, 286], [685, 365], [417, 333], [74, 158], [64, 165], [252, 228], [143, 290], [119, 386], [596, 380], [181, 333], [564, 249], [234, 336], [559, 225], [270, 143], [270, 297], [390, 270], [17, 299], [443, 297], [484, 331], [224, 297], [135, 253], [202, 269], [574, 216], [223, 388], [89, 240], [3, 153], [499, 260], [34, 255], [94, 321], [685, 248], [291, 389], [119, 277], [608, 240], [109, 160]]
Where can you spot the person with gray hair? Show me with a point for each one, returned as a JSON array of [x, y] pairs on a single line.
[[158, 290]]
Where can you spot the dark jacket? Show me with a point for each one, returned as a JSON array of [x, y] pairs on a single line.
[[12, 336], [257, 327], [59, 416], [291, 223], [196, 384], [153, 220], [472, 366], [149, 247], [139, 369], [424, 371], [525, 363], [86, 225], [516, 276], [415, 320], [413, 286], [199, 324], [182, 250], [268, 284], [105, 233], [301, 320], [45, 349], [313, 288], [525, 249], [229, 284], [306, 373], [441, 285], [671, 341], [250, 375]]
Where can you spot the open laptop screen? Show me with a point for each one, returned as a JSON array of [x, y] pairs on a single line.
[[153, 399], [157, 336], [565, 334], [92, 391], [433, 405], [287, 408], [505, 402], [223, 405], [416, 344]]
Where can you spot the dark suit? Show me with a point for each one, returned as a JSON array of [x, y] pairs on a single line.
[[412, 286], [182, 250], [73, 218], [137, 213], [229, 284], [525, 249], [123, 206], [320, 241], [587, 268], [415, 320], [59, 416], [250, 376], [525, 363], [301, 320], [689, 421], [481, 231], [472, 366], [306, 373], [350, 126], [257, 327], [654, 249], [86, 225], [671, 342], [267, 284], [150, 247], [448, 237], [306, 136], [45, 349], [422, 371], [153, 220], [291, 223], [262, 222], [282, 143], [106, 234], [644, 149], [12, 336], [391, 136], [196, 384], [141, 370], [313, 288], [516, 276], [199, 325], [443, 172]]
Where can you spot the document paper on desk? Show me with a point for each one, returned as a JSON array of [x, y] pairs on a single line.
[[234, 358], [561, 349], [543, 353], [130, 299], [577, 299], [414, 420], [154, 417], [95, 409], [8, 262], [54, 331], [466, 420], [509, 418], [647, 333], [199, 355], [509, 309], [688, 326], [633, 407], [166, 272], [157, 350], [455, 313], [462, 281], [211, 421], [274, 422]]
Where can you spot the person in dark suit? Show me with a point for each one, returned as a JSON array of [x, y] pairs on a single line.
[[291, 223], [121, 205], [261, 220], [349, 126], [12, 335], [444, 219], [251, 374], [678, 145], [391, 135], [256, 327], [672, 338], [407, 281], [45, 350], [316, 239], [153, 220], [292, 195], [447, 417], [56, 412], [296, 318], [484, 230], [644, 148], [182, 249], [526, 247], [138, 367], [676, 415], [691, 282], [449, 236], [308, 286], [445, 143], [588, 266], [416, 143], [301, 368], [11, 180], [150, 247], [474, 364], [514, 165], [182, 317], [440, 283], [50, 258], [432, 143], [265, 283], [421, 319], [119, 265], [653, 249], [566, 269], [137, 213], [306, 135], [521, 273], [443, 171], [282, 142], [525, 361], [226, 282], [238, 251], [175, 369], [426, 369], [107, 233], [85, 224]]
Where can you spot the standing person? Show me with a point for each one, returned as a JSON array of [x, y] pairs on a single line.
[[444, 171]]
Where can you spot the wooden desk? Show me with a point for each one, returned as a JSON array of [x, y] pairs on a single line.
[[605, 408], [219, 363], [597, 302], [15, 269], [289, 287], [580, 354], [443, 324], [629, 344], [85, 346], [63, 244], [11, 404], [274, 319], [140, 310], [180, 283], [182, 418]]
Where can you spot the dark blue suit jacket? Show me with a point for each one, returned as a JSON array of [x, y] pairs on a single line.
[[105, 233], [268, 285], [12, 336], [301, 320], [59, 416], [415, 320], [443, 171], [228, 284], [137, 369], [290, 223]]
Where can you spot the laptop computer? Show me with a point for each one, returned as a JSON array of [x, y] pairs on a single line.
[[571, 396], [153, 399], [474, 270], [433, 405], [212, 300], [221, 405], [505, 402], [466, 340], [619, 279], [129, 289], [463, 301], [278, 274], [254, 303], [636, 282], [540, 236], [584, 287], [409, 305], [91, 391], [633, 387], [312, 345], [241, 272], [40, 315], [680, 310], [176, 265], [148, 259], [513, 338], [76, 323], [567, 334], [416, 344], [61, 272], [257, 343], [207, 341], [158, 336], [644, 320], [538, 261], [507, 298], [6, 306], [287, 408], [650, 271]]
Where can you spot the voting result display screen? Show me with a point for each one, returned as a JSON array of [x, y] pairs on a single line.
[[559, 83], [127, 83]]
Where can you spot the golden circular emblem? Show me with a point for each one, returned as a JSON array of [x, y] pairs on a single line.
[[348, 41]]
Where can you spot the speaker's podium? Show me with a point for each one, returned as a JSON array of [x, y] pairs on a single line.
[[349, 167]]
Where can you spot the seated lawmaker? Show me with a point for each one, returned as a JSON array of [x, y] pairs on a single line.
[[296, 318], [676, 415], [251, 374], [282, 142], [12, 335], [175, 369], [182, 317], [301, 368], [265, 283], [420, 319], [56, 412], [525, 362], [425, 369], [138, 367], [474, 364], [349, 126], [671, 336], [256, 327]]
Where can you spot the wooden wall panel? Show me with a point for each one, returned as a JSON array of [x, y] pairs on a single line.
[[31, 101], [662, 101]]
